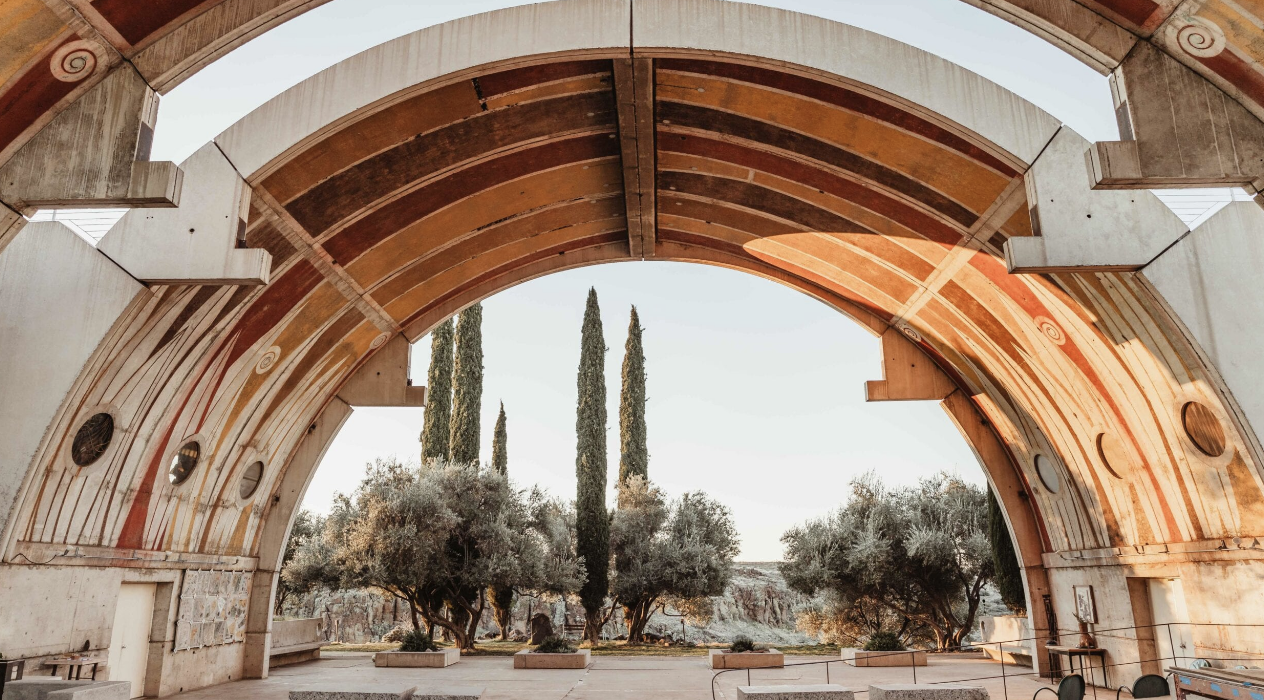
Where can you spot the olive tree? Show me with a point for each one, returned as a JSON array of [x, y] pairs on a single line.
[[910, 560], [680, 552], [441, 534]]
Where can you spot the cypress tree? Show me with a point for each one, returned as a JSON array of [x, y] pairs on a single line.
[[435, 430], [592, 521], [502, 599], [1009, 578], [500, 443], [467, 387], [634, 455]]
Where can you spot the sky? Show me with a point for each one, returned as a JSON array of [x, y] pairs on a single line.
[[756, 391]]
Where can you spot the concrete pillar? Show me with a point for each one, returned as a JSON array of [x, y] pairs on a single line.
[[908, 374], [276, 531]]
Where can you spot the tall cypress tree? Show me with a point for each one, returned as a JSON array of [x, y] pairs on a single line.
[[634, 455], [1009, 578], [435, 431], [500, 443], [502, 599], [592, 521], [467, 387]]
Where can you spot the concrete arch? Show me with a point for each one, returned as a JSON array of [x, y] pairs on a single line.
[[389, 191]]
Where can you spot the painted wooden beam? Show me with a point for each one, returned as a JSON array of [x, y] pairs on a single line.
[[634, 95], [907, 373]]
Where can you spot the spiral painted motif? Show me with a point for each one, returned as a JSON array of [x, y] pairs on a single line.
[[1050, 330], [379, 341], [910, 333], [1199, 37], [268, 360], [74, 61]]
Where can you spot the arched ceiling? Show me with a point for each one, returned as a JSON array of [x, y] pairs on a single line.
[[395, 215], [166, 42]]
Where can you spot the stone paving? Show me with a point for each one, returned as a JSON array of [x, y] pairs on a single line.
[[611, 678]]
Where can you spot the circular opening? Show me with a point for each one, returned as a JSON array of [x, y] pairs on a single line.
[[1203, 429], [93, 438], [1112, 454], [1048, 475], [184, 461], [250, 480]]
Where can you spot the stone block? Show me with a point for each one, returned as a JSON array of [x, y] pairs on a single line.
[[417, 659], [924, 691], [58, 689], [530, 659], [771, 658], [875, 659], [832, 691]]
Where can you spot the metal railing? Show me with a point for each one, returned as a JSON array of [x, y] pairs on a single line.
[[1004, 677]]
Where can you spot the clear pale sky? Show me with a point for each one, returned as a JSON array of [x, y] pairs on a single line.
[[755, 390]]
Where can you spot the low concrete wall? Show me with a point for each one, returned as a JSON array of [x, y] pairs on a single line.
[[874, 659], [294, 633], [747, 659], [1007, 637]]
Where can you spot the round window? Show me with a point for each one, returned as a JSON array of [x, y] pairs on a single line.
[[93, 438], [184, 461], [1048, 475], [250, 480], [1203, 429]]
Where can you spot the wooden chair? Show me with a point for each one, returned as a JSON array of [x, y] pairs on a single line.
[[1071, 688], [1147, 686]]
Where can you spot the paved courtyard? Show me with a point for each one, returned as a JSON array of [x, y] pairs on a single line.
[[608, 678]]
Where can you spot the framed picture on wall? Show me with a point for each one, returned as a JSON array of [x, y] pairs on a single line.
[[1084, 608]]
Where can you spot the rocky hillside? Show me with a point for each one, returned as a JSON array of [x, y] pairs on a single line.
[[757, 604]]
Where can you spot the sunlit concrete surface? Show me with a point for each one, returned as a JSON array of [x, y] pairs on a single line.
[[609, 677]]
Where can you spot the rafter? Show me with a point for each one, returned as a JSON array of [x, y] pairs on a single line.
[[634, 95]]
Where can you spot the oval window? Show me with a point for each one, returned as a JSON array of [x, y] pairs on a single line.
[[184, 461], [1112, 454], [1203, 429], [250, 480], [93, 438], [1048, 475]]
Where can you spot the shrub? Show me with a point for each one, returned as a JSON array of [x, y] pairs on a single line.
[[416, 640], [884, 641], [555, 645], [396, 635], [742, 643]]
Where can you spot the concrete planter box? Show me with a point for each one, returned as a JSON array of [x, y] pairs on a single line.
[[795, 692], [875, 659], [417, 659], [941, 691], [721, 658], [530, 659]]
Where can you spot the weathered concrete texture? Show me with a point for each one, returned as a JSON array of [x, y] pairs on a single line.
[[1081, 229], [96, 153], [1211, 279], [531, 659], [59, 298], [406, 694], [296, 641], [421, 659], [58, 689], [908, 374], [867, 659], [197, 242], [925, 691], [831, 691], [1179, 130], [383, 380], [721, 658]]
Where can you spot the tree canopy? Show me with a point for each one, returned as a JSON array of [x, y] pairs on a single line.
[[913, 558], [443, 532], [467, 387], [435, 431], [634, 456], [592, 519], [680, 551]]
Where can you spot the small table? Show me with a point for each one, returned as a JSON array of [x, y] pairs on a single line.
[[74, 667], [1230, 684], [1085, 655]]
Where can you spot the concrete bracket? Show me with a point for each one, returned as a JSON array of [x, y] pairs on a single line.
[[1179, 130], [199, 242], [908, 374], [10, 223], [383, 380], [1081, 229], [94, 154]]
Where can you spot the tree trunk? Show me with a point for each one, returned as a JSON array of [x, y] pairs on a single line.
[[502, 600], [637, 616]]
